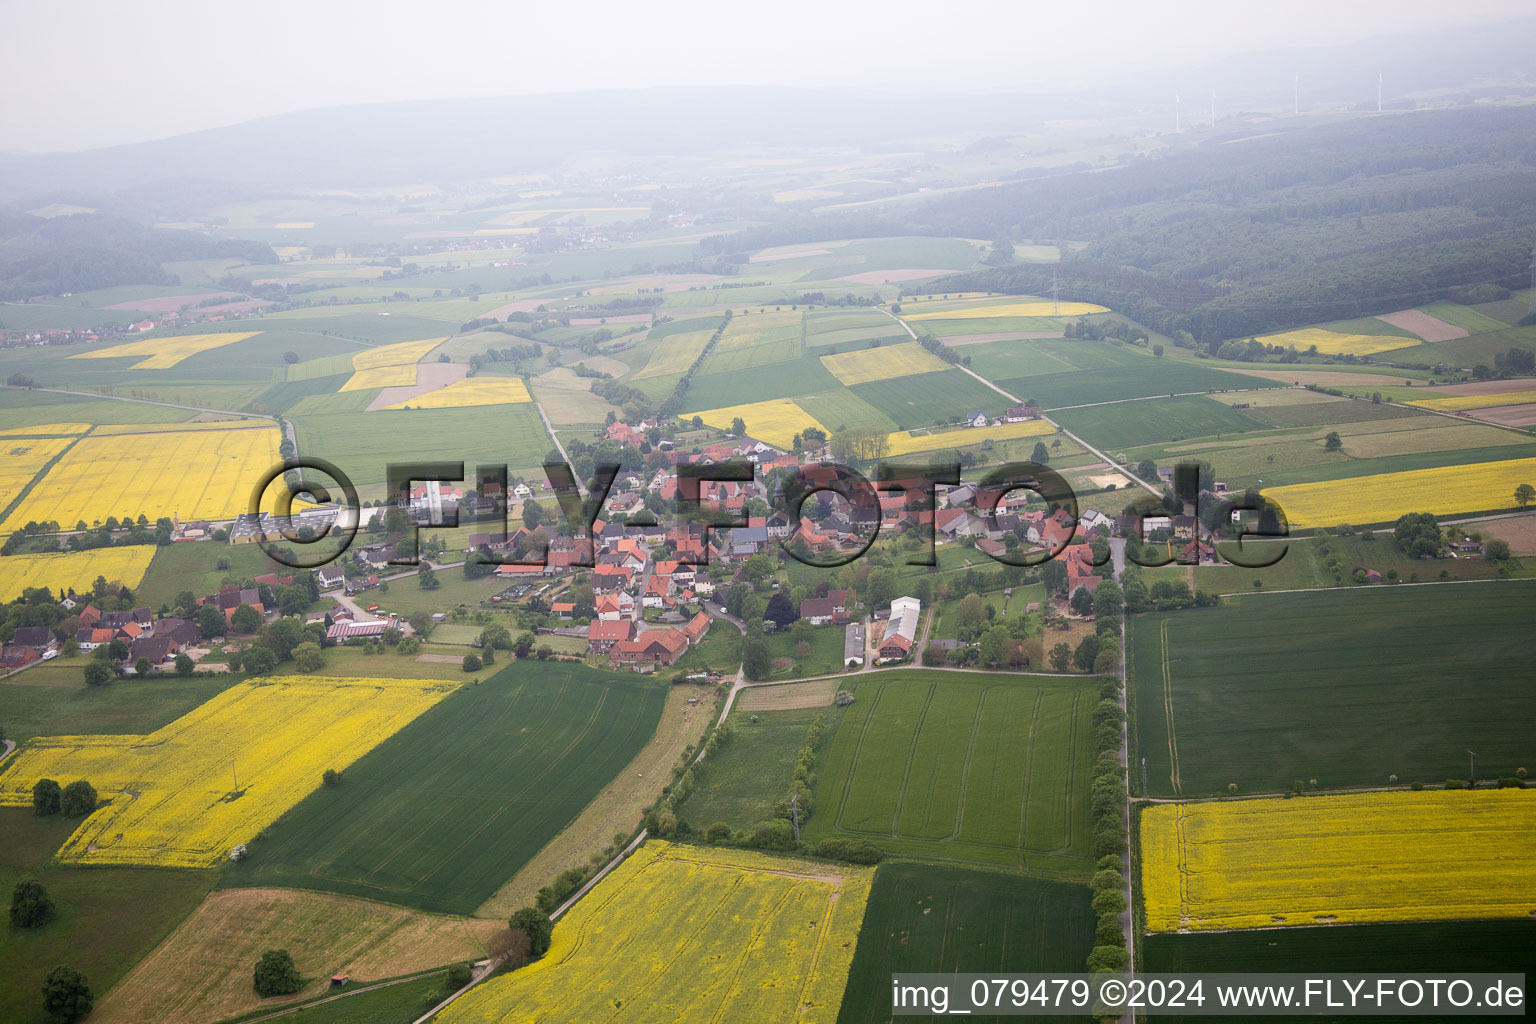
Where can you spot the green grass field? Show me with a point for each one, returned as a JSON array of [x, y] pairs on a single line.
[[925, 399], [1145, 379], [105, 919], [741, 782], [1428, 949], [1348, 688], [984, 769], [53, 700], [788, 379], [466, 793], [363, 444], [923, 918], [397, 1004], [1160, 419], [195, 567]]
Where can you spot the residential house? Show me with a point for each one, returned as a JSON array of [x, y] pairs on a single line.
[[697, 627], [653, 647], [602, 634], [40, 638], [818, 611]]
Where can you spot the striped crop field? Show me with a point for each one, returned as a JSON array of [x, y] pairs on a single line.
[[471, 391], [675, 353], [1361, 857], [889, 361], [163, 353], [1385, 497], [186, 794], [1333, 343], [691, 933]]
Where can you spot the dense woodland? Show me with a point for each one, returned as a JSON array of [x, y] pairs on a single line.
[[1261, 229], [85, 251]]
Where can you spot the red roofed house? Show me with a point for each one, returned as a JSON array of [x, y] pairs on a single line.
[[653, 647], [603, 634], [564, 609], [697, 627], [612, 607]]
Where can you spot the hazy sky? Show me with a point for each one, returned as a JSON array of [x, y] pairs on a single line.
[[84, 73]]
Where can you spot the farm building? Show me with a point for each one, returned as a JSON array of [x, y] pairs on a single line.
[[902, 629]]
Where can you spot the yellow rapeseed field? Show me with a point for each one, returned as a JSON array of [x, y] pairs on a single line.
[[471, 391], [1384, 497], [389, 366], [21, 459], [164, 353], [905, 444], [775, 422], [196, 474], [1462, 403], [1356, 858], [691, 934], [46, 428], [1013, 309], [171, 797], [77, 569], [394, 355], [866, 364], [675, 353], [1333, 343]]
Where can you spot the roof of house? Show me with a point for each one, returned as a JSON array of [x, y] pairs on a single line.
[[697, 626], [611, 630], [816, 607]]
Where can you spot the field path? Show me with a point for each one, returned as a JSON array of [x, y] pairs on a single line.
[[1018, 401], [549, 428], [145, 401]]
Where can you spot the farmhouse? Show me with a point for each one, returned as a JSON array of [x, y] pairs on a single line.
[[902, 628], [603, 634], [653, 647]]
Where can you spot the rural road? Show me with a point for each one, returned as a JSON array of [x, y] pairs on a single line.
[[10, 745]]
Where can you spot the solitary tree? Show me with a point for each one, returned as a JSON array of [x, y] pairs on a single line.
[[66, 995], [1061, 657], [276, 975], [30, 905], [78, 799], [1525, 494], [45, 797], [307, 657], [1333, 442], [535, 924]]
